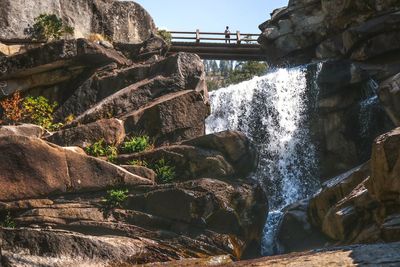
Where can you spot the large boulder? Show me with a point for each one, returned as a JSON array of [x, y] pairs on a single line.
[[54, 63], [110, 130], [226, 155], [31, 168], [170, 118], [323, 29], [121, 21], [28, 130], [186, 71], [389, 94]]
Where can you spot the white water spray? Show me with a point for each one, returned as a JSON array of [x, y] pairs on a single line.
[[273, 111]]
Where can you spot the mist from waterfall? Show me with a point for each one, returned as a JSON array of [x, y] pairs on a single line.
[[274, 111]]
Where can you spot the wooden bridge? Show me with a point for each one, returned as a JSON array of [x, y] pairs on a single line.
[[213, 45]]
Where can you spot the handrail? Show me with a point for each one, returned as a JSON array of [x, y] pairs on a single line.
[[198, 36]]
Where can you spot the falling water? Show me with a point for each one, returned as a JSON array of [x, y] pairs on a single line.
[[274, 112]]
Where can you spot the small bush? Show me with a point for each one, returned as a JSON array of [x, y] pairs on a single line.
[[166, 35], [136, 144], [36, 110], [12, 109], [115, 197], [165, 172], [39, 111], [97, 37], [49, 27], [101, 149], [137, 162], [8, 221]]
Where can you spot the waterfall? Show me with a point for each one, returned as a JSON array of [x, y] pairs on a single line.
[[274, 111]]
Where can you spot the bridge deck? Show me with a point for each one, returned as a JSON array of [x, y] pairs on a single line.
[[207, 47]]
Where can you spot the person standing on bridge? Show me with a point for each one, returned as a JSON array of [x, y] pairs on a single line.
[[227, 35]]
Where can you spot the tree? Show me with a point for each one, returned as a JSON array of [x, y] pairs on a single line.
[[49, 27], [246, 71]]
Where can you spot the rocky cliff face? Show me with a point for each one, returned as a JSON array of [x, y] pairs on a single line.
[[56, 207], [122, 21]]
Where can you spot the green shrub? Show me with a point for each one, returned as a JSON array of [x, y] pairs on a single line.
[[39, 111], [102, 149], [166, 35], [8, 221], [165, 172], [136, 144], [115, 197], [49, 27], [137, 162]]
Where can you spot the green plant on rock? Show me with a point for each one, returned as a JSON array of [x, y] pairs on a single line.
[[165, 172], [136, 144], [102, 149], [166, 35], [116, 197], [39, 111], [8, 221], [137, 162], [49, 27]]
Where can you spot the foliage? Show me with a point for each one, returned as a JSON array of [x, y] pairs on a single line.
[[246, 71], [166, 35], [8, 221], [12, 110], [101, 149], [137, 162], [136, 144], [36, 110], [49, 27], [212, 85], [165, 172], [97, 37], [115, 197], [70, 118], [39, 111]]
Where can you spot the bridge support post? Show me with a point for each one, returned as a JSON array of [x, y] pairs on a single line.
[[238, 40], [197, 36]]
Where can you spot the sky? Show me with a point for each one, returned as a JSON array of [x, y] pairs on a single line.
[[211, 15]]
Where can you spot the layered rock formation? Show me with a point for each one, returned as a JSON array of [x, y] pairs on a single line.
[[62, 207], [121, 21]]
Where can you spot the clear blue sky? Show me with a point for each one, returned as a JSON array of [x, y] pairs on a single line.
[[211, 15]]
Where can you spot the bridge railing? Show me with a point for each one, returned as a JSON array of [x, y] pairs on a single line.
[[197, 37]]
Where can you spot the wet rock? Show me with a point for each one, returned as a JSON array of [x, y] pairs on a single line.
[[119, 21], [296, 233], [110, 130], [32, 168], [389, 94], [226, 155]]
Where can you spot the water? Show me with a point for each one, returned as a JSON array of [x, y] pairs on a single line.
[[274, 111]]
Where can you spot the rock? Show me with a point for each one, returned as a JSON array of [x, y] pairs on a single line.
[[295, 231], [28, 130], [32, 168], [65, 248], [116, 92], [385, 183], [226, 155], [120, 21], [170, 118], [334, 190], [306, 30], [53, 63], [389, 94], [358, 255], [154, 46], [141, 171], [110, 130]]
